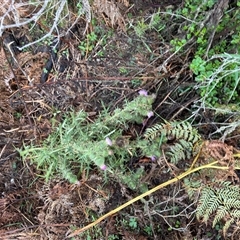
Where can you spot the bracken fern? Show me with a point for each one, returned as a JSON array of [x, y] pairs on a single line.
[[177, 130], [222, 202], [182, 134]]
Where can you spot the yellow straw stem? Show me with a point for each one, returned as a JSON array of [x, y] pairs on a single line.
[[210, 165]]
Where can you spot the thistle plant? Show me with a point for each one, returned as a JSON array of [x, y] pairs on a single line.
[[77, 145]]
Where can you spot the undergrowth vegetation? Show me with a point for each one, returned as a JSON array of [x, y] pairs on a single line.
[[78, 144], [215, 58], [223, 202], [127, 144]]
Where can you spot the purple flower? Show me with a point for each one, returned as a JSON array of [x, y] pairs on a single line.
[[109, 141], [103, 167], [78, 183], [153, 158], [150, 114], [143, 92]]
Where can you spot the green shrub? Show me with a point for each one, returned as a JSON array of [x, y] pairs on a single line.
[[216, 72], [76, 144]]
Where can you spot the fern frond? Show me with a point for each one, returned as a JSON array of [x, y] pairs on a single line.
[[223, 203], [230, 203], [220, 214], [155, 131], [229, 192], [191, 186], [235, 213], [180, 151], [173, 130], [208, 203], [227, 225], [213, 205], [182, 132]]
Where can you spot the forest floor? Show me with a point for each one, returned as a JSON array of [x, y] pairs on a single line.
[[91, 74]]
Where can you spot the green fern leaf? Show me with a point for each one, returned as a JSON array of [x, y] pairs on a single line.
[[222, 202], [191, 186], [235, 213], [208, 203], [230, 203], [227, 225], [173, 130], [179, 151], [181, 132], [220, 214], [213, 205], [155, 131], [228, 192]]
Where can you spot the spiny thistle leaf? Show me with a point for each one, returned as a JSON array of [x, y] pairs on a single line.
[[76, 144]]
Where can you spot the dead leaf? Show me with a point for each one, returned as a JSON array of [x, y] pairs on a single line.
[[111, 10]]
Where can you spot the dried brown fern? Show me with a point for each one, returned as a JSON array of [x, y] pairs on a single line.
[[31, 66], [215, 150], [5, 15], [111, 10], [219, 151], [123, 2], [13, 11], [6, 74]]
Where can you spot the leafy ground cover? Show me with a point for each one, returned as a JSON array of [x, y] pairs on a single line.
[[119, 114]]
